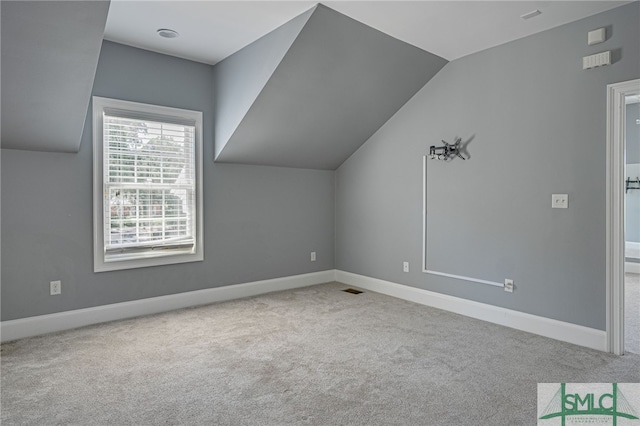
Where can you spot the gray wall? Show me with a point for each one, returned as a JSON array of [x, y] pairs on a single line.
[[537, 125], [240, 77], [632, 155], [260, 222]]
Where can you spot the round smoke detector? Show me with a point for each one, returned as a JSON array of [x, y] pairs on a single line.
[[167, 33]]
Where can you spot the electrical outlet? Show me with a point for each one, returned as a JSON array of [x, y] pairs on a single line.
[[55, 287], [405, 266], [508, 285], [559, 201], [313, 256]]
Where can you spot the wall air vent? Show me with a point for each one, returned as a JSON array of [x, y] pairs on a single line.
[[597, 60]]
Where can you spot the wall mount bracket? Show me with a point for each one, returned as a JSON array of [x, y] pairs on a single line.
[[446, 151]]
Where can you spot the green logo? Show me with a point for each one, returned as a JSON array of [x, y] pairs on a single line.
[[585, 404]]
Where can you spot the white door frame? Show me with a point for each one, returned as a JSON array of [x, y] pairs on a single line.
[[615, 211]]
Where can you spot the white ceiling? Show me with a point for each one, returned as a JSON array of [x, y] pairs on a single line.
[[212, 30]]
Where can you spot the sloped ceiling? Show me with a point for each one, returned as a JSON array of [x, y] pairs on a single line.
[[239, 80], [50, 53], [337, 83], [212, 30]]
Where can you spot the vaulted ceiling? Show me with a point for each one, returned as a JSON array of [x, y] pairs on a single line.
[[321, 79], [50, 53], [336, 83], [212, 30]]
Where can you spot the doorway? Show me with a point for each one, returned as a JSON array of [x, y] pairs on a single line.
[[623, 287], [632, 225]]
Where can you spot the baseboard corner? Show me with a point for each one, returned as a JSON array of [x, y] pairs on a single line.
[[554, 329], [60, 321]]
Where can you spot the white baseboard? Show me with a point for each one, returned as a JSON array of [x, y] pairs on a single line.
[[42, 324], [559, 330], [632, 249], [632, 267]]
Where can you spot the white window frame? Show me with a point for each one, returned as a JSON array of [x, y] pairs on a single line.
[[103, 262]]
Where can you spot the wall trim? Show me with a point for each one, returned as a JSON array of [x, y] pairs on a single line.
[[424, 238], [43, 324], [554, 329], [615, 196], [464, 278]]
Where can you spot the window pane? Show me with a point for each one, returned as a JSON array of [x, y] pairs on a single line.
[[150, 176]]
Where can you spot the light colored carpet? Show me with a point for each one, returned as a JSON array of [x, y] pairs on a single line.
[[312, 356], [632, 313]]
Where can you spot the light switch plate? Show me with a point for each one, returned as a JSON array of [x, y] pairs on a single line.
[[560, 201]]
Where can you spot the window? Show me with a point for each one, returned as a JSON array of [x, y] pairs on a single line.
[[147, 173]]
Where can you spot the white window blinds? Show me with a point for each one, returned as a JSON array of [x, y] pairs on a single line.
[[149, 185]]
